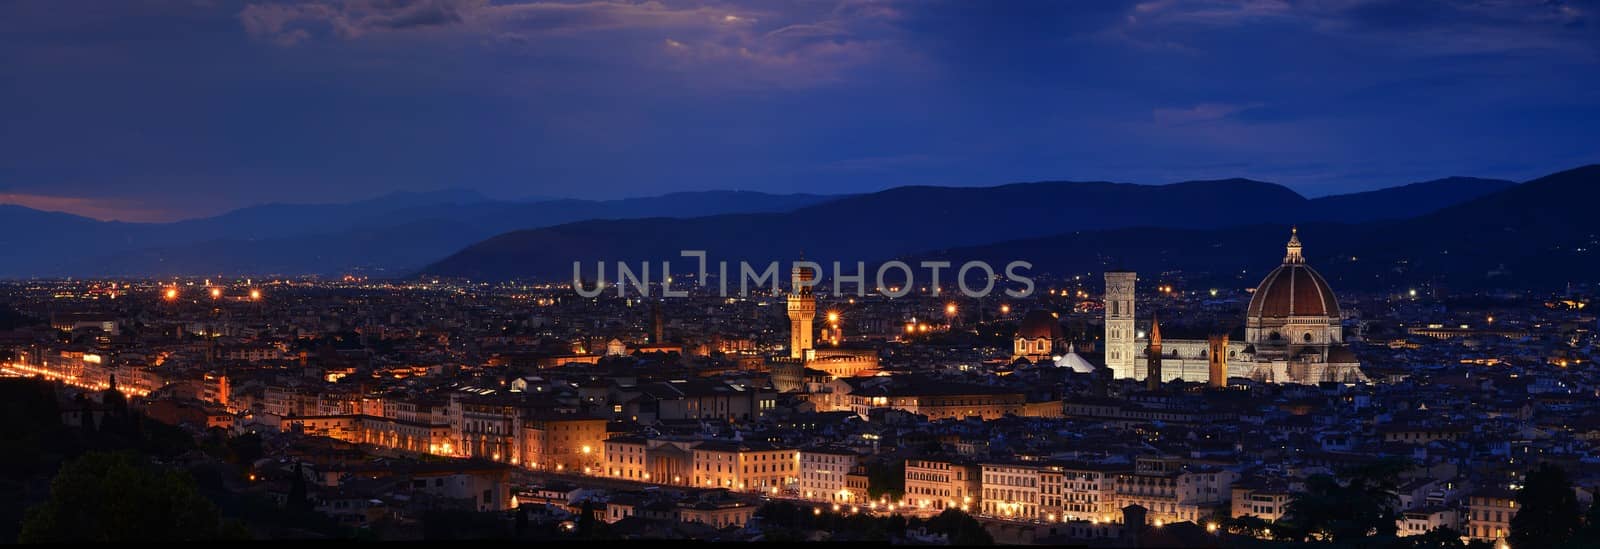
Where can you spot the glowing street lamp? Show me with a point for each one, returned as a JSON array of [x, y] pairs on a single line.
[[216, 293], [171, 294], [255, 295]]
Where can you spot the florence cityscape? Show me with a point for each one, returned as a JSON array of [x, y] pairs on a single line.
[[1170, 273]]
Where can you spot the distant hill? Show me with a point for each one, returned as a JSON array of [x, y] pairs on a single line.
[[907, 220], [386, 235], [1408, 200], [1541, 234]]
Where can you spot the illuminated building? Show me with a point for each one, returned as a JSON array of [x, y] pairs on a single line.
[[936, 485], [802, 310], [745, 466], [1011, 490], [823, 471], [1119, 320], [1489, 514], [571, 442], [1039, 337], [1292, 333]]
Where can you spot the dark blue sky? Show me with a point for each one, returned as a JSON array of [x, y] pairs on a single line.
[[161, 109]]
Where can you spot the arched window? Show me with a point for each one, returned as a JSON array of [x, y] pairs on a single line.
[[1274, 336]]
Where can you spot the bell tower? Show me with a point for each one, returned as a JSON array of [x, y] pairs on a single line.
[[802, 310], [1152, 378], [1217, 356], [1119, 323]]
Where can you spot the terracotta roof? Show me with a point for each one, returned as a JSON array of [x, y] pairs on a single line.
[[1039, 324], [1293, 289]]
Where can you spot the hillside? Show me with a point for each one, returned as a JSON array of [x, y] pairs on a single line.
[[907, 220]]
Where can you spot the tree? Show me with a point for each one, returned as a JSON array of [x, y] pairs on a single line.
[[886, 479], [244, 449], [1589, 536], [298, 501], [1355, 511], [586, 521], [960, 528], [1547, 510], [1438, 538], [110, 497]]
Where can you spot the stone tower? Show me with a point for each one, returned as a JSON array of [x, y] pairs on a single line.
[[802, 310], [1217, 354], [1152, 378], [1119, 323], [657, 325]]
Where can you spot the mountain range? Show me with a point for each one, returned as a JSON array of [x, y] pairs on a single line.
[[1467, 231], [916, 221], [1541, 234], [391, 234]]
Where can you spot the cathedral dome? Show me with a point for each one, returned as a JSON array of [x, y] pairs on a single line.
[[1293, 289], [1039, 324]]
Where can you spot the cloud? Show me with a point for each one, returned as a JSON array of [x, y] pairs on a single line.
[[104, 209], [737, 45], [289, 24], [1204, 112], [1407, 27]]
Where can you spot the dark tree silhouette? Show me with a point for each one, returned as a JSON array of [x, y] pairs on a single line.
[[1438, 538], [1362, 509], [1547, 510], [886, 479], [960, 528], [298, 500], [103, 497], [586, 527]]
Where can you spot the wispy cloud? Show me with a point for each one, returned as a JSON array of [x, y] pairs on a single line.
[[1204, 112], [776, 44], [104, 209]]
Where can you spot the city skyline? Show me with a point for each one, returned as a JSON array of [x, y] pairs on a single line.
[[1264, 274]]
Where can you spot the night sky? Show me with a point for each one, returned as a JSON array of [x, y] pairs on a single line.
[[156, 110]]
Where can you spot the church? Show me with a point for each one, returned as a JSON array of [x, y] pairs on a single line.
[[1292, 334]]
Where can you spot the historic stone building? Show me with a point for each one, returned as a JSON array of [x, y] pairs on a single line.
[[789, 374], [1039, 337], [1292, 333], [1120, 348]]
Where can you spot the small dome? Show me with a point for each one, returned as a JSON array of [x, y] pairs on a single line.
[[1076, 362], [1039, 324]]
